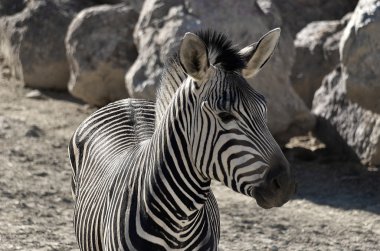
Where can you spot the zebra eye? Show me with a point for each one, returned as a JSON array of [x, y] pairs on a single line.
[[226, 117]]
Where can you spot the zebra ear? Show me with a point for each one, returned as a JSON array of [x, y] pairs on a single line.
[[257, 54], [193, 56]]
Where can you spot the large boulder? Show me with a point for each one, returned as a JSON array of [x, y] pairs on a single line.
[[348, 103], [163, 23], [32, 40], [298, 13], [317, 54], [343, 125], [359, 51], [160, 28], [100, 49]]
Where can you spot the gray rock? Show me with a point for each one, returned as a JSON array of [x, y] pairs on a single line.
[[32, 41], [160, 28], [359, 51], [297, 14], [348, 102], [34, 132], [317, 54], [344, 126], [35, 94], [100, 48], [163, 23]]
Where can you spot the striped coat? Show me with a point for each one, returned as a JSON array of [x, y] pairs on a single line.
[[142, 172]]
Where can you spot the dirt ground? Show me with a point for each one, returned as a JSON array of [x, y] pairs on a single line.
[[337, 206]]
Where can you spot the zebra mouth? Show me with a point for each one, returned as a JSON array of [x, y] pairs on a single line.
[[261, 200], [261, 197], [268, 199]]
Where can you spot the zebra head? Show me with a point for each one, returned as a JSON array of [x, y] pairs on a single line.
[[229, 139]]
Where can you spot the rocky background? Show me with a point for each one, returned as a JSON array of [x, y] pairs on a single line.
[[62, 59]]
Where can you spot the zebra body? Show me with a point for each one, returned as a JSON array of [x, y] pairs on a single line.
[[120, 191], [142, 172]]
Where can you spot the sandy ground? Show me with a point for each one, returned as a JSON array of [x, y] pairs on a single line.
[[337, 206]]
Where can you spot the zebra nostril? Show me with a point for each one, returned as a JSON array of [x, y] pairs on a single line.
[[278, 177], [276, 183]]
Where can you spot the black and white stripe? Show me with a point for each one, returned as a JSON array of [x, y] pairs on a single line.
[[142, 171]]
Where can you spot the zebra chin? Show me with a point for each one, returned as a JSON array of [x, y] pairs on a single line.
[[274, 192], [268, 196]]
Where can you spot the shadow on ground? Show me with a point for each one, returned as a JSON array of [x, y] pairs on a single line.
[[337, 183], [61, 95]]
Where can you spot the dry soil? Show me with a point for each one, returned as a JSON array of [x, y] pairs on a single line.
[[337, 206]]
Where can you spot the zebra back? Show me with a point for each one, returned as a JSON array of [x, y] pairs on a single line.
[[118, 126]]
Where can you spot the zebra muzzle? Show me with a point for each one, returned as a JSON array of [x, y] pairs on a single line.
[[278, 187]]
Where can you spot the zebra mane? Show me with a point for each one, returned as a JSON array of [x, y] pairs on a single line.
[[221, 53]]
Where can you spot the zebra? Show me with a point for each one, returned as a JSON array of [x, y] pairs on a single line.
[[142, 170]]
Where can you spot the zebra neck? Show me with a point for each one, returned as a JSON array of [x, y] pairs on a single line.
[[171, 79], [175, 185]]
